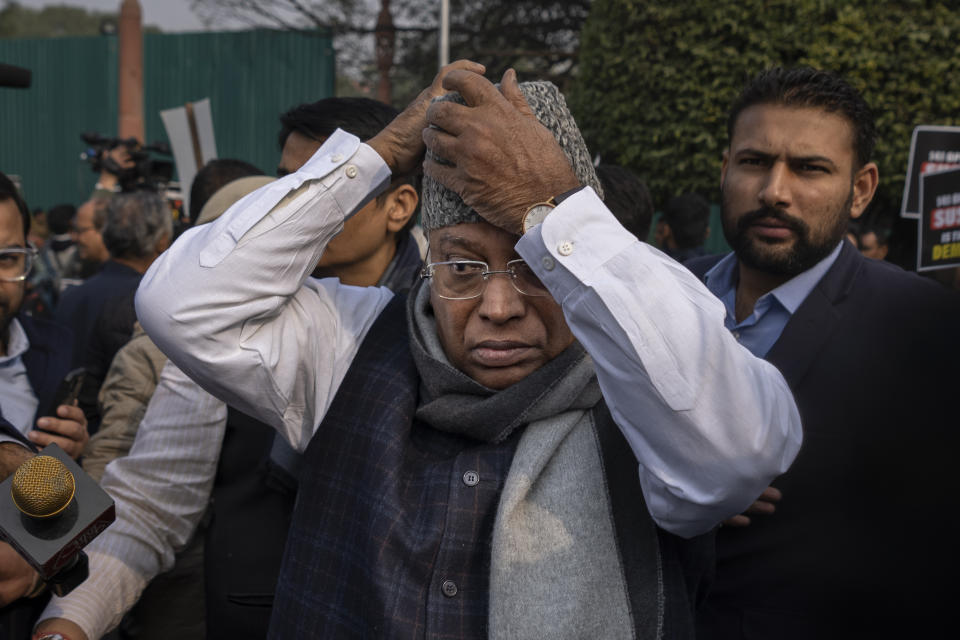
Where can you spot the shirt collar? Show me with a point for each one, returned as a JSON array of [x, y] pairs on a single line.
[[18, 343], [722, 278], [794, 291]]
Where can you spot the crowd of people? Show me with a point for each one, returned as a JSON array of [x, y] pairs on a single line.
[[432, 381]]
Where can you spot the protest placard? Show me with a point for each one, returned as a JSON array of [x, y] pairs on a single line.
[[931, 149]]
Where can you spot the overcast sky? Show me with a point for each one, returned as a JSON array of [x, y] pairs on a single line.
[[169, 15]]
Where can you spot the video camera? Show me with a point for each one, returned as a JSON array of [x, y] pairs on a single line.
[[145, 172]]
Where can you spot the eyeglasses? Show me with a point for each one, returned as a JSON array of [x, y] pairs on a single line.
[[466, 279], [15, 263]]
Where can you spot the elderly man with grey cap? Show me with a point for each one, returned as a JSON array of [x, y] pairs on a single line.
[[534, 441]]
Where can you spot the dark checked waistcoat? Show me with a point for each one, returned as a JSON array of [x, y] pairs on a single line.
[[391, 533]]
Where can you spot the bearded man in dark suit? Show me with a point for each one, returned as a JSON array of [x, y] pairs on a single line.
[[855, 539]]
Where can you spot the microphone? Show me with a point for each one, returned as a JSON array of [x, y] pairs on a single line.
[[16, 77], [50, 509]]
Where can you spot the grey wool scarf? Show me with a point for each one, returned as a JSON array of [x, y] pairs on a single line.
[[555, 568]]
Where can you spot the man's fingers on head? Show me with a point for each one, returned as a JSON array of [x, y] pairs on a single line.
[[474, 88], [438, 87], [510, 89], [466, 65], [449, 116], [444, 174], [440, 143]]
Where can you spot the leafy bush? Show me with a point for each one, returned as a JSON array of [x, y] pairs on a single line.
[[657, 77]]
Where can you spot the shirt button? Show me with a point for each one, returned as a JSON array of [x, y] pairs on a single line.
[[449, 588], [336, 157], [565, 248], [736, 334], [547, 263], [351, 171], [471, 478]]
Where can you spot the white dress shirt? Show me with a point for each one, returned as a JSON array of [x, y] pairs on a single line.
[[233, 305]]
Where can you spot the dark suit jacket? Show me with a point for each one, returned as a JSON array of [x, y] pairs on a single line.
[[864, 540], [80, 307], [47, 360]]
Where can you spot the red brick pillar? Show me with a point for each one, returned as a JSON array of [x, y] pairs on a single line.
[[130, 70]]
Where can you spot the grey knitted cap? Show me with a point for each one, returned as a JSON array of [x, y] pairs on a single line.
[[442, 207]]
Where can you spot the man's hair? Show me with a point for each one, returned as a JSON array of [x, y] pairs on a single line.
[[689, 217], [8, 191], [806, 87], [214, 175], [135, 222], [628, 199], [362, 117], [59, 217], [882, 234]]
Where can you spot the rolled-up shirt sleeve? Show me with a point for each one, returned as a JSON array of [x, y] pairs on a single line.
[[232, 303], [709, 423]]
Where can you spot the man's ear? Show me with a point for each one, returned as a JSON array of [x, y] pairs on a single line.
[[864, 185], [400, 205]]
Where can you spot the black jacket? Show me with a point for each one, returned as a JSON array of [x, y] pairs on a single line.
[[47, 360], [864, 540]]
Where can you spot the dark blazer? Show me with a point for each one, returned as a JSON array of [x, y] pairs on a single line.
[[80, 307], [252, 503], [864, 540], [47, 360]]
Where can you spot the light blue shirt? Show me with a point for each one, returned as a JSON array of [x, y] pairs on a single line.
[[761, 329], [17, 400]]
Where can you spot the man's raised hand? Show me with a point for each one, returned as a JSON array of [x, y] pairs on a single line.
[[400, 144], [495, 153]]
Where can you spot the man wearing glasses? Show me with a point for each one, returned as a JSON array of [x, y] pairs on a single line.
[[34, 357], [523, 446], [34, 354]]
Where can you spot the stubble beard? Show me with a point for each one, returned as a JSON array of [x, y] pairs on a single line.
[[767, 257]]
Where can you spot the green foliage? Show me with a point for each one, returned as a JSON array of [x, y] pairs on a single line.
[[17, 21], [657, 77]]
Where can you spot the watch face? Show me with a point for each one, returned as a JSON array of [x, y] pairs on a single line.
[[535, 216]]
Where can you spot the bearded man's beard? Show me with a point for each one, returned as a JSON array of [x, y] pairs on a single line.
[[770, 258]]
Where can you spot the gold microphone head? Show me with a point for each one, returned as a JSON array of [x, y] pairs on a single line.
[[42, 487]]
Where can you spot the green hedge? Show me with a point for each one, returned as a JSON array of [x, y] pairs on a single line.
[[656, 78]]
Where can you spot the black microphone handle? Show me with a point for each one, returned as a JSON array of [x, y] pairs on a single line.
[[68, 578]]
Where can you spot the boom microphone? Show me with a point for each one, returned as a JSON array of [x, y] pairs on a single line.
[[49, 510], [16, 77]]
